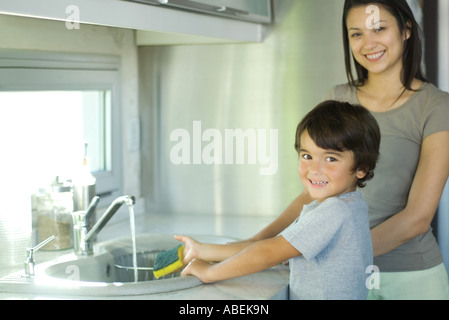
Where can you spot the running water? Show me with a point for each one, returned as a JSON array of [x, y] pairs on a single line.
[[133, 239]]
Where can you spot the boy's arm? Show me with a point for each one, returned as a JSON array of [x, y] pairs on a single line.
[[254, 258], [207, 251]]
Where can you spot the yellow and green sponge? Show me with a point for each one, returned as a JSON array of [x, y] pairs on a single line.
[[168, 261]]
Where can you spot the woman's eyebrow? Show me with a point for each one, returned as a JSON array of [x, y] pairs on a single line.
[[377, 22], [372, 25]]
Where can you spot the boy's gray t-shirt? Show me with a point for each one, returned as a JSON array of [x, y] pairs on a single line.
[[335, 241], [403, 129]]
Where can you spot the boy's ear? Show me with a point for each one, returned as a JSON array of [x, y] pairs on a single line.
[[360, 173]]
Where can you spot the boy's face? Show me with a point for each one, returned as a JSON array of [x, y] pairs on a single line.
[[326, 173]]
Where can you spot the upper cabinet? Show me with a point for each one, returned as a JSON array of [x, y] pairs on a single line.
[[157, 22], [248, 10]]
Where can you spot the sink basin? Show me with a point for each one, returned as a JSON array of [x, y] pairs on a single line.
[[109, 268], [124, 270], [108, 273]]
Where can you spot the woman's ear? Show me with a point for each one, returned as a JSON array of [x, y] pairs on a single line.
[[408, 31]]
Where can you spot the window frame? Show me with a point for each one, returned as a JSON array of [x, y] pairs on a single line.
[[27, 70], [443, 50]]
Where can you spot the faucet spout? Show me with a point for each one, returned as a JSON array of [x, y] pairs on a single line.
[[84, 235], [109, 213]]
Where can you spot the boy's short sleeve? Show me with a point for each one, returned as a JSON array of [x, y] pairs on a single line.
[[315, 228]]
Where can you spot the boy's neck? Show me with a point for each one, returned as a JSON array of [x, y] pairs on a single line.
[[336, 196]]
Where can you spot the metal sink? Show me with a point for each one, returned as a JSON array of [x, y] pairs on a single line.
[[108, 273], [109, 268], [124, 270]]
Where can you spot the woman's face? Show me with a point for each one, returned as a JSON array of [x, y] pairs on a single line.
[[375, 40]]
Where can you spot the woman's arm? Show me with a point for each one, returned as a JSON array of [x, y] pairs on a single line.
[[425, 193], [285, 219], [256, 257]]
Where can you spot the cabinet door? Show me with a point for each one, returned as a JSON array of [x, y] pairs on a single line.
[[249, 10], [253, 10]]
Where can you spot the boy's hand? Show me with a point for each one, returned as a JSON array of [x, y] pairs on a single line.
[[190, 248], [198, 268]]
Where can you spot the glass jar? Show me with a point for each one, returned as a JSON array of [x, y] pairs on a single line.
[[54, 208]]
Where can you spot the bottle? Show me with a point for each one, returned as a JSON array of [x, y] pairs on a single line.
[[84, 186]]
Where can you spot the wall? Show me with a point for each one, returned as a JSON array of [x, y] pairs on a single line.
[[267, 86]]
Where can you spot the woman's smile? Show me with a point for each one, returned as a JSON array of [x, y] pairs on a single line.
[[375, 56]]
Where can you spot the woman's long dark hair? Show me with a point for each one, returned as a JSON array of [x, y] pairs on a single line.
[[412, 57]]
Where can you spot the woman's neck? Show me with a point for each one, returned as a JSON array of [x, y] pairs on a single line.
[[383, 92], [388, 82]]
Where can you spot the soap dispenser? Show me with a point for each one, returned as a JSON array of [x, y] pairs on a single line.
[[84, 186]]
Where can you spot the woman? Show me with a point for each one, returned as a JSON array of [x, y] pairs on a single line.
[[383, 38]]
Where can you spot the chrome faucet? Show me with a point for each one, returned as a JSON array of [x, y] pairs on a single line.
[[84, 234]]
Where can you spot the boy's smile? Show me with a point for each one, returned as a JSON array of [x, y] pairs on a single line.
[[326, 173], [318, 184]]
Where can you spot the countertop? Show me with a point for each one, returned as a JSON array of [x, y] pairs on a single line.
[[274, 283]]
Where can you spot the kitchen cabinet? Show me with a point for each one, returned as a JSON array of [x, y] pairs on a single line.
[[155, 24], [248, 10]]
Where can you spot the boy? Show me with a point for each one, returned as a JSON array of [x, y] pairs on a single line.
[[329, 245]]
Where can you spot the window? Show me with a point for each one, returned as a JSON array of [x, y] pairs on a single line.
[[55, 103]]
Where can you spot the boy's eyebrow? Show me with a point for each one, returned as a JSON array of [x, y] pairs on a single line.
[[327, 151], [336, 153]]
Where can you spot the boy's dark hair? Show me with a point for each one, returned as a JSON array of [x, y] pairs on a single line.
[[342, 126], [412, 47]]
